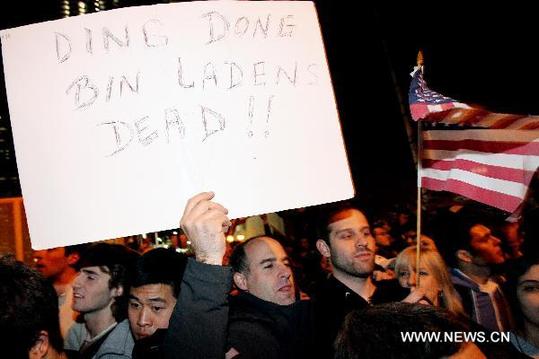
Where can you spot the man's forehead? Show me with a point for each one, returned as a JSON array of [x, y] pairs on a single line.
[[263, 248], [94, 269], [479, 230], [58, 251], [349, 218], [152, 291]]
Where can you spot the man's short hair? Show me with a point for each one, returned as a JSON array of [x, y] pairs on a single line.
[[119, 262], [29, 305], [331, 213], [160, 266], [452, 230], [238, 258], [376, 332]]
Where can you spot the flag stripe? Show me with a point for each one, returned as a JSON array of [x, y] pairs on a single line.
[[511, 188], [478, 134], [504, 173], [493, 198], [529, 163], [520, 148]]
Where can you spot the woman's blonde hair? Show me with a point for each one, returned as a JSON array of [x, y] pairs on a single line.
[[435, 265]]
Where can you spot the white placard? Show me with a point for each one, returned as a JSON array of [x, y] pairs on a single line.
[[120, 116]]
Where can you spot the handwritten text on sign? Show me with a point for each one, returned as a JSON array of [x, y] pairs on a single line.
[[120, 116]]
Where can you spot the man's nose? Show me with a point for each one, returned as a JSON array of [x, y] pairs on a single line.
[[362, 240], [144, 318], [284, 271], [76, 281]]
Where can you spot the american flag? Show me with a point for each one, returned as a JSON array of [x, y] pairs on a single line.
[[488, 157], [429, 105]]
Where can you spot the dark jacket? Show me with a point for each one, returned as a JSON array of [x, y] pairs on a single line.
[[479, 305], [198, 324], [334, 300], [261, 329], [150, 347]]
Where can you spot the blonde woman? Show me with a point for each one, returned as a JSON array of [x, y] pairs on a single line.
[[434, 278]]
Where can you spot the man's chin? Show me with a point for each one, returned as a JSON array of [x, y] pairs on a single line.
[[363, 275], [139, 336], [286, 298], [363, 272]]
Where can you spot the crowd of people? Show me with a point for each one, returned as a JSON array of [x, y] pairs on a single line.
[[353, 292]]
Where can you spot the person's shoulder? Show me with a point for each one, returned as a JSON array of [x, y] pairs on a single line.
[[119, 342], [252, 336], [328, 289], [75, 336]]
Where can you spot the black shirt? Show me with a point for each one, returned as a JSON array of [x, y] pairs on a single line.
[[334, 301]]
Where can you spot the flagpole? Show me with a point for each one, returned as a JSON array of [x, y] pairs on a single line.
[[419, 167], [418, 221]]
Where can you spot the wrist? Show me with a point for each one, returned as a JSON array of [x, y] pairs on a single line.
[[208, 259]]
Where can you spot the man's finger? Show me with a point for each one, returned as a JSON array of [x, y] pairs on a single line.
[[216, 217], [193, 201], [205, 206]]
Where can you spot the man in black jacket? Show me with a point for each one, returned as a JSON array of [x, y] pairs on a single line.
[[266, 320], [350, 247]]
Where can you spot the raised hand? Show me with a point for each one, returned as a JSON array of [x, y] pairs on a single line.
[[205, 224]]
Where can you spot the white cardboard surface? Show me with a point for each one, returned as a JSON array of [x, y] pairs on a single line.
[[119, 117]]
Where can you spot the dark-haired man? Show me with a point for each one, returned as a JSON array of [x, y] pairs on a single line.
[[474, 252], [100, 295], [350, 247], [29, 326], [153, 295]]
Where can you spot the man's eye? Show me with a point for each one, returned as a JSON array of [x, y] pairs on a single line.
[[157, 309], [531, 288], [268, 266], [134, 305]]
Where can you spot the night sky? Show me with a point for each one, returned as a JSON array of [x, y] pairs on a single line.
[[483, 56]]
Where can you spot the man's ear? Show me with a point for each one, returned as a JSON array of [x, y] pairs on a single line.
[[464, 256], [240, 280], [73, 258], [323, 248], [40, 349]]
